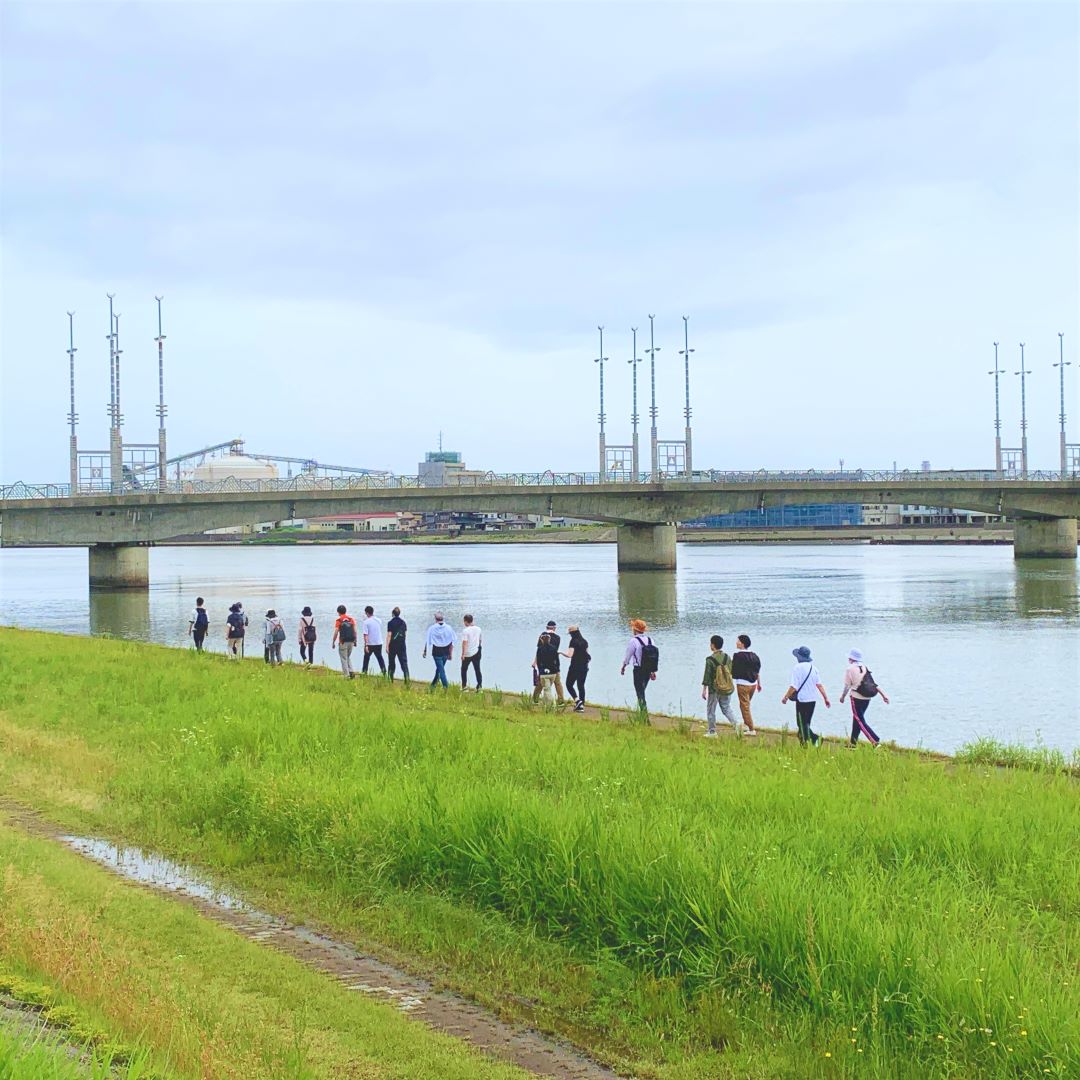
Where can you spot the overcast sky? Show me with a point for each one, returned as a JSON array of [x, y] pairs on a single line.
[[373, 222]]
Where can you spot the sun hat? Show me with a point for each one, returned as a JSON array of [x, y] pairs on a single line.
[[855, 654], [802, 653], [638, 626]]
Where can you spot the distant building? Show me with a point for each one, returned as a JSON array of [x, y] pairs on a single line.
[[824, 516], [396, 521], [910, 514]]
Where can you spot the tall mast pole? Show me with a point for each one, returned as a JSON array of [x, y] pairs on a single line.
[[73, 416], [114, 410], [119, 445], [1061, 365], [161, 410], [635, 464], [997, 411], [601, 360], [1023, 414], [686, 351], [652, 350]]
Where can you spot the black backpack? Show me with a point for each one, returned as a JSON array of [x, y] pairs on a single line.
[[202, 620], [347, 633], [650, 657], [309, 631], [236, 624], [867, 688]]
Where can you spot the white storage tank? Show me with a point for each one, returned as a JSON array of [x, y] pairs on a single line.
[[236, 466]]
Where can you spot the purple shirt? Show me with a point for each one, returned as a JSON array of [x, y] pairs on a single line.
[[633, 650]]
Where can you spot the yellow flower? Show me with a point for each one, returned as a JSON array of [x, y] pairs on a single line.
[[827, 1054], [1023, 1031]]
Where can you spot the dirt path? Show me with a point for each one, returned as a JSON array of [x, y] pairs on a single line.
[[414, 996]]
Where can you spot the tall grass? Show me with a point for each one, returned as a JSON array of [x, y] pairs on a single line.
[[932, 917]]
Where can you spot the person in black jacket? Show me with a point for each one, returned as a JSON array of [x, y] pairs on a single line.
[[578, 655], [546, 666], [746, 673]]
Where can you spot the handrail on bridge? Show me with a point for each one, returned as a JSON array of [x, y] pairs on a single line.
[[548, 478]]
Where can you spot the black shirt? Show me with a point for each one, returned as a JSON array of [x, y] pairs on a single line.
[[395, 631], [547, 659], [581, 656], [553, 638]]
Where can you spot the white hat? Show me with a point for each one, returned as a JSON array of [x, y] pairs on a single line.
[[855, 654]]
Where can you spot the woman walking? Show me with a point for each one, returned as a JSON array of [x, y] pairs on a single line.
[[578, 655], [273, 636], [307, 635], [859, 685], [805, 684]]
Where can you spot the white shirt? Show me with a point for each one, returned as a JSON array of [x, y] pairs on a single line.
[[471, 640], [372, 631], [805, 671]]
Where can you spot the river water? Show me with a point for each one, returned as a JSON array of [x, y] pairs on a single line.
[[964, 640]]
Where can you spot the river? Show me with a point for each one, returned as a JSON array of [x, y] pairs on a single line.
[[965, 641]]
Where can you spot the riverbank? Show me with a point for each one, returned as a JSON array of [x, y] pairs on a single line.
[[680, 907], [606, 534]]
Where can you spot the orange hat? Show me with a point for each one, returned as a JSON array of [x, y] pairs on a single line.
[[638, 626]]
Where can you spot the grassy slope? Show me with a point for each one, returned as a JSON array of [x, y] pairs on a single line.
[[209, 1002], [693, 909]]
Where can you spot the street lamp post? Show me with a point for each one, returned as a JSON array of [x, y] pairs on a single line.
[[1061, 365], [115, 451], [73, 416], [161, 410], [634, 464], [1023, 414], [997, 411], [652, 350], [685, 352], [601, 360]]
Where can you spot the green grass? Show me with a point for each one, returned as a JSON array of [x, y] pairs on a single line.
[[987, 751], [41, 1056], [690, 909]]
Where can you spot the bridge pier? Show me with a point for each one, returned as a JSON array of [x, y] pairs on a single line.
[[1044, 538], [119, 566], [646, 547]]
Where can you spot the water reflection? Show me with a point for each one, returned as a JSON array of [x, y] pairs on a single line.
[[1046, 587], [651, 595], [124, 613]]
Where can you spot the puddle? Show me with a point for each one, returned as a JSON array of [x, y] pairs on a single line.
[[409, 994]]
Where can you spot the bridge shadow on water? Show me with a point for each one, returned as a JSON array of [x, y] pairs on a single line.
[[123, 613], [650, 595], [1046, 587]]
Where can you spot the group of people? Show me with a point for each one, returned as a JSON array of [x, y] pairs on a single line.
[[725, 677], [740, 674]]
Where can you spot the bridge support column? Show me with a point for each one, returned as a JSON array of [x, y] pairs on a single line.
[[1053, 538], [646, 547], [119, 566]]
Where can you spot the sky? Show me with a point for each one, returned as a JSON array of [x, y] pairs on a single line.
[[372, 223]]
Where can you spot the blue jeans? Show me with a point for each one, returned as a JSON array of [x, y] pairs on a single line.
[[440, 670]]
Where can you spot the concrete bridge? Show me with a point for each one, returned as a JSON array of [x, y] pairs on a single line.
[[118, 528]]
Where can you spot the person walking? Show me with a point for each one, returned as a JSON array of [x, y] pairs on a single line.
[[546, 665], [307, 635], [643, 655], [746, 674], [396, 630], [440, 640], [576, 674], [805, 685], [860, 686], [198, 624], [235, 626], [717, 686], [273, 637], [472, 642], [373, 639], [555, 641], [344, 640]]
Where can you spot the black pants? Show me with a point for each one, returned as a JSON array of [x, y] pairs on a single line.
[[804, 713], [199, 636], [307, 651], [397, 653], [376, 651], [575, 682], [858, 721], [475, 661], [641, 681]]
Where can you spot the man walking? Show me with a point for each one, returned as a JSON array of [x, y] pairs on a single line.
[[396, 629], [860, 686], [373, 639], [345, 640], [717, 685], [554, 641], [234, 632], [746, 674], [198, 624], [472, 641], [643, 654], [440, 640], [805, 685]]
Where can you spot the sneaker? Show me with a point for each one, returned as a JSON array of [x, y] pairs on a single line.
[[710, 735], [750, 733], [579, 707]]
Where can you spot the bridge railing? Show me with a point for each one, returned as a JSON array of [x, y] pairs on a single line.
[[548, 478]]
